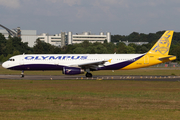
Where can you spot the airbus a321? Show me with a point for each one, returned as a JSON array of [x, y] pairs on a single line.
[[72, 64]]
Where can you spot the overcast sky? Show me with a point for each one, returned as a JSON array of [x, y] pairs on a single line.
[[116, 16]]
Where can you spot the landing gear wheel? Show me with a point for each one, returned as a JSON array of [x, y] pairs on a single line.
[[22, 74], [88, 75]]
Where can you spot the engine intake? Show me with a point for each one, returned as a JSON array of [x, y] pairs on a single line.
[[72, 71]]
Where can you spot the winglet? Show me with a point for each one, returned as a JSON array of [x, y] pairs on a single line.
[[162, 46]]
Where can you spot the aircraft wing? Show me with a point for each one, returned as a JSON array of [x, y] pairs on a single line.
[[91, 65]]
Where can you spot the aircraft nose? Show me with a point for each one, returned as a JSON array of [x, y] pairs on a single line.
[[4, 65]]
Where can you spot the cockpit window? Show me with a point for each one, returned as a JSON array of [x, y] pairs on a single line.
[[11, 60]]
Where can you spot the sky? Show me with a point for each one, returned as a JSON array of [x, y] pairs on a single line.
[[116, 16]]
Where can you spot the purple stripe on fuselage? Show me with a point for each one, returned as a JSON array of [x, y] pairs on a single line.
[[37, 67], [120, 65]]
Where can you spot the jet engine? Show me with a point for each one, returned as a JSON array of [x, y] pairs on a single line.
[[72, 71]]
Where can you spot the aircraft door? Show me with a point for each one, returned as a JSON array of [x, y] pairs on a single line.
[[146, 59], [21, 60]]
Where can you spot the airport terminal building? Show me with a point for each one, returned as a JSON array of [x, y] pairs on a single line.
[[70, 38], [61, 39]]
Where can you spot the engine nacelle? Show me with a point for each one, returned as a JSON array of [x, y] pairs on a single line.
[[72, 71]]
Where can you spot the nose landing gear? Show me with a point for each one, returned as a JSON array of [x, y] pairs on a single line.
[[22, 74]]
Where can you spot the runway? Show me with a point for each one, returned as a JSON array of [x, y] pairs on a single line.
[[97, 77]]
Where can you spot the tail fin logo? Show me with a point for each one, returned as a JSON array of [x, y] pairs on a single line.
[[163, 45]]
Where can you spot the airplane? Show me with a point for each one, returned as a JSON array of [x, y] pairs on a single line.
[[73, 64]]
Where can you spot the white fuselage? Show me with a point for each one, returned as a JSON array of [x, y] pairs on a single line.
[[58, 61]]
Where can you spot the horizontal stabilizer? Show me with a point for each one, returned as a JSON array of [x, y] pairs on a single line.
[[172, 57]]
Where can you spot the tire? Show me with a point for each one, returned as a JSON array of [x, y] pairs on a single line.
[[88, 75]]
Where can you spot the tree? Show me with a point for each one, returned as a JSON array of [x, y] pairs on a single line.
[[1, 58], [110, 47], [85, 44], [9, 47], [132, 45], [175, 50], [15, 44], [100, 49], [130, 49], [79, 50], [121, 48], [2, 38], [16, 52], [134, 37], [91, 50], [143, 49], [43, 48], [105, 41]]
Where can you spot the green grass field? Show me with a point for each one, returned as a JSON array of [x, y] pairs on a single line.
[[89, 100]]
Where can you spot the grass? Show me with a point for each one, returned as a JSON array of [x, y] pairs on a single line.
[[89, 100]]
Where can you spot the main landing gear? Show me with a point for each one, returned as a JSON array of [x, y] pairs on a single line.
[[88, 74], [22, 73]]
